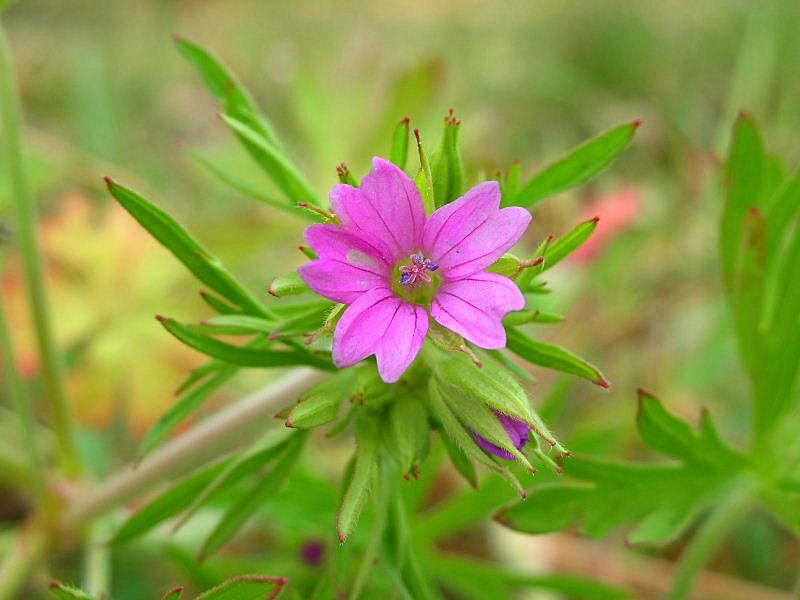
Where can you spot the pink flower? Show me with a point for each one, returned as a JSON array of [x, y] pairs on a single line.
[[394, 267]]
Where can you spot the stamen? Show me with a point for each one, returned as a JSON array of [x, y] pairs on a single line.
[[416, 271]]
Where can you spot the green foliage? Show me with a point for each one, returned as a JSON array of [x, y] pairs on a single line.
[[290, 284], [659, 499], [201, 263], [399, 151], [68, 592], [320, 405], [760, 248], [562, 247], [552, 357], [577, 167]]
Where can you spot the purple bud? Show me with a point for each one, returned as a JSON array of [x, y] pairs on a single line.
[[518, 432], [312, 553]]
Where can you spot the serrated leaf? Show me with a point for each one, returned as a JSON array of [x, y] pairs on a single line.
[[274, 162], [168, 504], [365, 470], [68, 592], [658, 500], [243, 356], [552, 357], [288, 285], [240, 512], [185, 248], [247, 587], [577, 167], [400, 137]]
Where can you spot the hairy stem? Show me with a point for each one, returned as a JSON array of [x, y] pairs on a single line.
[[32, 263], [221, 432], [706, 542]]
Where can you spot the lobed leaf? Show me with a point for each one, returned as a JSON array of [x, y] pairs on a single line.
[[577, 167]]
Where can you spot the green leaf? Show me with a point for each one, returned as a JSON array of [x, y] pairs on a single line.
[[246, 463], [288, 285], [523, 317], [168, 503], [446, 165], [233, 97], [185, 248], [399, 152], [243, 356], [577, 167], [552, 357], [245, 188], [274, 162], [218, 305], [184, 406], [481, 580], [237, 514], [510, 185], [364, 473], [562, 247], [247, 587], [240, 324], [68, 592]]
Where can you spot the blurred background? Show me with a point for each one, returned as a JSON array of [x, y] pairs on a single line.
[[106, 93]]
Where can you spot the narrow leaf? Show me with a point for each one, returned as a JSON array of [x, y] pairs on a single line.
[[247, 587], [562, 247], [553, 357], [577, 167], [399, 152], [185, 248], [243, 356]]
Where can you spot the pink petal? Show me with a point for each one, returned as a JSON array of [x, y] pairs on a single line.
[[474, 307], [402, 341], [387, 207], [381, 324], [468, 235], [348, 266]]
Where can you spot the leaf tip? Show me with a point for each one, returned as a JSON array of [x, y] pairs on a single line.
[[636, 124], [109, 183], [603, 383]]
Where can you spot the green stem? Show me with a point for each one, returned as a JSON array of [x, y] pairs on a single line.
[[52, 366], [31, 546], [382, 504], [21, 402], [97, 561], [706, 542]]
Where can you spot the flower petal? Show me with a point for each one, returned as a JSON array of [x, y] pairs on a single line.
[[362, 325], [402, 341], [348, 265], [468, 235], [491, 448], [474, 307], [387, 207]]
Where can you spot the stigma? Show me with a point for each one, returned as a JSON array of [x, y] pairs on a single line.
[[418, 270]]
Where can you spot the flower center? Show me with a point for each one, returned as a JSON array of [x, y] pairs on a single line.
[[414, 280]]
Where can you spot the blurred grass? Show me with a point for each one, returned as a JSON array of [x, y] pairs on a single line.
[[106, 93]]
